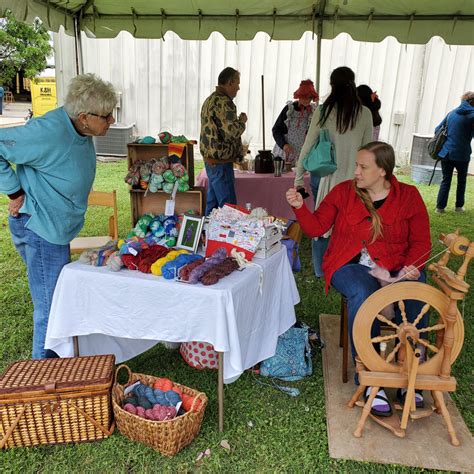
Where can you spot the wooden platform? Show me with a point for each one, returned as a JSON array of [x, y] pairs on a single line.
[[426, 443]]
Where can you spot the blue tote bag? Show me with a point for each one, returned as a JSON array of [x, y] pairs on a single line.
[[321, 159]]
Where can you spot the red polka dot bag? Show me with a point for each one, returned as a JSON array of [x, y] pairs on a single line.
[[200, 355]]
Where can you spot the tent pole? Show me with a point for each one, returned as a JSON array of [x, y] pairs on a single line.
[[318, 57], [322, 8], [78, 47]]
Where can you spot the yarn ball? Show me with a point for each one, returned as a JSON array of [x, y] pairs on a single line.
[[220, 270], [178, 390], [147, 140], [170, 269], [163, 384], [188, 403], [182, 188], [172, 397], [168, 187], [141, 227], [132, 400], [114, 263], [141, 412], [145, 171], [159, 167], [150, 414], [157, 228], [184, 179], [165, 137], [185, 271], [130, 408], [139, 390], [155, 183], [217, 257], [178, 170], [169, 177]]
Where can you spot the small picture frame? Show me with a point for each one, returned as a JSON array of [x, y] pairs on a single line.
[[190, 233]]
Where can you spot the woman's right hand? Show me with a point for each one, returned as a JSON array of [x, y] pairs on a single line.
[[294, 198]]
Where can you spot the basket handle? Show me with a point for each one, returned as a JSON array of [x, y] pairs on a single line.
[[4, 440], [198, 396], [104, 430], [123, 366]]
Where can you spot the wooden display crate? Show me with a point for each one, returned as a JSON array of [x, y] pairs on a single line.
[[144, 152], [194, 199]]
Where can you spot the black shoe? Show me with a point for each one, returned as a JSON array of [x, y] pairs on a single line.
[[419, 402]]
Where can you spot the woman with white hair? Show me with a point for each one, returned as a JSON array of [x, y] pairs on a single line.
[[55, 162]]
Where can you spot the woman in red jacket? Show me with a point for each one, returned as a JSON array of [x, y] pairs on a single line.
[[377, 223]]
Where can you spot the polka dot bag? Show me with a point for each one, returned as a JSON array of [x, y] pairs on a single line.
[[200, 355]]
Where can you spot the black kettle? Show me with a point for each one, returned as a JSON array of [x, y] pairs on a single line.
[[264, 162]]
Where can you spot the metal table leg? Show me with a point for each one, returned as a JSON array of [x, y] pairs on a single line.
[[220, 390]]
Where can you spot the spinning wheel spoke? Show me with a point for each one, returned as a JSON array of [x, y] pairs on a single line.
[[436, 327], [428, 345], [386, 321], [391, 356], [401, 305], [383, 338], [423, 311]]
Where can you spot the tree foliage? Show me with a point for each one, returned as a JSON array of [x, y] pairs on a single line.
[[23, 47]]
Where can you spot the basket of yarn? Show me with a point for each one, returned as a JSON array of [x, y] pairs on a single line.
[[170, 435]]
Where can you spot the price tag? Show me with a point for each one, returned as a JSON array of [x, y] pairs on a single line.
[[132, 251], [170, 203]]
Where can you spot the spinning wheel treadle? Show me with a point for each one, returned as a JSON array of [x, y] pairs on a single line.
[[403, 365]]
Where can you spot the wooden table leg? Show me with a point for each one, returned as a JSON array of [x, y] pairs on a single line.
[[75, 341], [220, 390]]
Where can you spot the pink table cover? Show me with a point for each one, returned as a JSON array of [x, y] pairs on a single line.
[[264, 190]]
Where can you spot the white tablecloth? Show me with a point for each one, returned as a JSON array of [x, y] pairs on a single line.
[[128, 312]]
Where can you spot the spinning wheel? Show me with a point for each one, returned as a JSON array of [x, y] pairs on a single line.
[[417, 358]]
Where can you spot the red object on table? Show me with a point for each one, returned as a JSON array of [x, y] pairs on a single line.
[[264, 190]]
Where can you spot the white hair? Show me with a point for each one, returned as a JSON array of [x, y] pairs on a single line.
[[89, 93]]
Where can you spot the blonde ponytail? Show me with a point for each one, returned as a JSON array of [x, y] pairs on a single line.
[[377, 229]]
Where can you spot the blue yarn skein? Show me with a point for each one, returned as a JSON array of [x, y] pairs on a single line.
[[170, 269], [172, 397]]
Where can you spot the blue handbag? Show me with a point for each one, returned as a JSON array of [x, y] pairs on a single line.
[[292, 359], [321, 159]]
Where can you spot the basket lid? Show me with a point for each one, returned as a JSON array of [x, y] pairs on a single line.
[[44, 376]]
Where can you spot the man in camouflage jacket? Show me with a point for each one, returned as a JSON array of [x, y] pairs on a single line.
[[220, 142]]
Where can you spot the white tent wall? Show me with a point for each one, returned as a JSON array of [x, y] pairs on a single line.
[[164, 83]]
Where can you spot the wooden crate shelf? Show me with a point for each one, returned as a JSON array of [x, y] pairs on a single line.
[[192, 200], [143, 202], [146, 152]]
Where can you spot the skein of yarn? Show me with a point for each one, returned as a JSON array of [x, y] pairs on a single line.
[[217, 257]]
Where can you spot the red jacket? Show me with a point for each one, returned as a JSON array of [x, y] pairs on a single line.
[[405, 224]]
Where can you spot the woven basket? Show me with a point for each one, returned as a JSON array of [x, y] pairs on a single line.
[[52, 401], [167, 437]]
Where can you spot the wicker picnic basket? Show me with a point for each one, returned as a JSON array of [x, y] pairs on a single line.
[[52, 401], [167, 437]]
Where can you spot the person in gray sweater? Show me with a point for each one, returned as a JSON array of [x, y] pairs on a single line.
[[349, 124]]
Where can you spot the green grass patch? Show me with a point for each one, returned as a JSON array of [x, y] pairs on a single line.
[[268, 431]]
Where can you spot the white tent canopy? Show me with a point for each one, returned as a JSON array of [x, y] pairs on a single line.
[[410, 21]]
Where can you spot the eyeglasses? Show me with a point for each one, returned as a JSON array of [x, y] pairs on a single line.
[[105, 117]]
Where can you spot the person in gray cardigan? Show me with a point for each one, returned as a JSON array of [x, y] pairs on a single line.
[[349, 124]]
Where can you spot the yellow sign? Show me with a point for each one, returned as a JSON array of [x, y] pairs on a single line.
[[43, 95]]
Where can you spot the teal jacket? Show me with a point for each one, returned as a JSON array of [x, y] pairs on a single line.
[[55, 167]]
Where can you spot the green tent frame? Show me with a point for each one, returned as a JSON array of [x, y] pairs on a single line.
[[409, 21]]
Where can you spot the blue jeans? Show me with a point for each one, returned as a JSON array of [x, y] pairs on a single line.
[[314, 183], [44, 262], [447, 167], [220, 186], [354, 282], [318, 249]]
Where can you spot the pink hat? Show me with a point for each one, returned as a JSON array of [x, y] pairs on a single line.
[[306, 89]]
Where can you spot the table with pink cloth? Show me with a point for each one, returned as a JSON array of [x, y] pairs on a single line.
[[264, 190]]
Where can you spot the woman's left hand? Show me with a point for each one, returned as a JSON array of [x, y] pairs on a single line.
[[410, 272]]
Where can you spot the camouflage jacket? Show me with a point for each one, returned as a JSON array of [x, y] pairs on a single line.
[[221, 129]]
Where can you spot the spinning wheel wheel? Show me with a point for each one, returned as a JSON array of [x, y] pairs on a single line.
[[436, 302], [418, 357]]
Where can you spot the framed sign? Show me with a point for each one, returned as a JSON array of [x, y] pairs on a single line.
[[190, 233]]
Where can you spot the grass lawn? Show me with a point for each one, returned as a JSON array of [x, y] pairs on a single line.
[[268, 431]]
